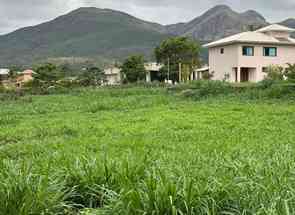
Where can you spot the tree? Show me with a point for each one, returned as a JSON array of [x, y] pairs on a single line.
[[180, 55], [133, 69], [92, 76], [48, 73], [65, 70], [12, 74], [290, 72]]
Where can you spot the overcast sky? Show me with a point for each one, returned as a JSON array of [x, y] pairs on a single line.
[[20, 13]]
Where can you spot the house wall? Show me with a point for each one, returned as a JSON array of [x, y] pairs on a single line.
[[27, 77], [113, 75], [285, 54], [113, 79], [222, 64]]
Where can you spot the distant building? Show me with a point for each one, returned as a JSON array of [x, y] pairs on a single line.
[[4, 73], [152, 70], [244, 57], [198, 73], [24, 77], [113, 75]]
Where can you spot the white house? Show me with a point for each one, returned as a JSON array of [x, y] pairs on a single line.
[[113, 75], [244, 57], [4, 74], [152, 70]]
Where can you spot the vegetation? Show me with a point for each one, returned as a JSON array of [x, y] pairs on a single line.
[[48, 73], [92, 76], [133, 69], [110, 35], [145, 151], [275, 73], [290, 72], [180, 55]]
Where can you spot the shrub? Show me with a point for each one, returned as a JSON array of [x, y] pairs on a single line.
[[274, 72], [92, 76], [207, 75], [205, 88], [266, 83], [290, 72]]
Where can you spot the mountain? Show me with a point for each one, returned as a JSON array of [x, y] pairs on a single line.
[[85, 32], [289, 23], [92, 34], [218, 22]]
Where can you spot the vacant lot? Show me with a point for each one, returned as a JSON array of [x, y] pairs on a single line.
[[143, 151]]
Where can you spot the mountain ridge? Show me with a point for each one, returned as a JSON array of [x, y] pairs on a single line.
[[95, 33], [220, 21]]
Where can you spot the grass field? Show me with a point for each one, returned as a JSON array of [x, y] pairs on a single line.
[[144, 151]]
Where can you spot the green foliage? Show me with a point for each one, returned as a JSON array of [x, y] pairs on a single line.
[[92, 76], [133, 69], [290, 72], [177, 50], [47, 73], [141, 150], [206, 89], [207, 75], [275, 73], [23, 192], [203, 89], [12, 74]]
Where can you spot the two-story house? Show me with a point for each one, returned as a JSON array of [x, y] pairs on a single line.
[[244, 57]]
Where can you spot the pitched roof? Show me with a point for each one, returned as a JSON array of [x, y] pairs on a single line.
[[276, 27], [4, 71], [256, 37], [28, 72]]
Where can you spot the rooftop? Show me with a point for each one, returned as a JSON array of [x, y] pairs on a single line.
[[276, 27], [4, 71], [258, 36]]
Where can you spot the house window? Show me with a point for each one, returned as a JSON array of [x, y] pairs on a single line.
[[248, 50], [222, 51], [270, 51]]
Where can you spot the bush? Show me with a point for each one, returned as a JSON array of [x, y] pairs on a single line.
[[266, 83], [207, 75], [203, 88], [275, 73], [290, 72], [267, 89]]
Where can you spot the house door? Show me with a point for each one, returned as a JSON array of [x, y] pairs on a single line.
[[244, 74]]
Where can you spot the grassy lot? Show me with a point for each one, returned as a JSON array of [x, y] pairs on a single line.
[[144, 151]]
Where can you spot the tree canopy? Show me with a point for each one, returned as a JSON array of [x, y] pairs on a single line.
[[133, 69], [92, 76], [47, 72], [178, 50]]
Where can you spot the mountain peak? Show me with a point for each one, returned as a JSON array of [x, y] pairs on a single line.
[[221, 7], [253, 14], [218, 22], [289, 23], [90, 10]]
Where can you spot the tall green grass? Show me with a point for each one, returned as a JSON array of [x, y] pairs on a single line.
[[146, 151]]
